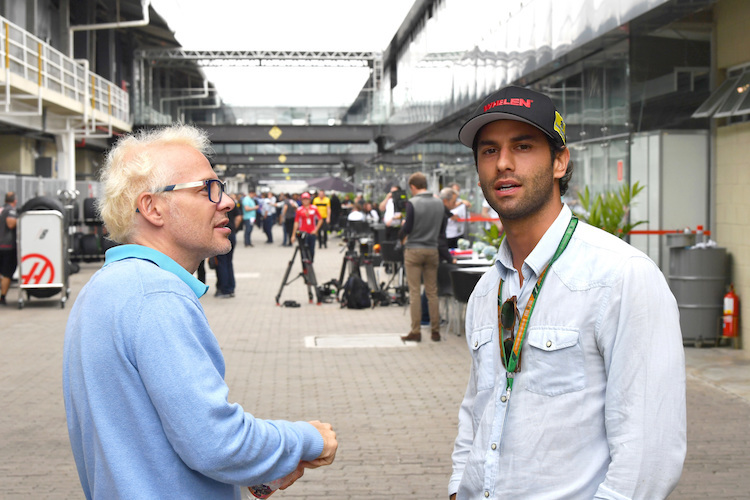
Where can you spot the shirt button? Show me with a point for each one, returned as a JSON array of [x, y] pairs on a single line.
[[486, 494], [549, 343], [494, 446], [504, 399], [476, 343]]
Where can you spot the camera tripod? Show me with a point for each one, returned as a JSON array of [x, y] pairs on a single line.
[[308, 273], [393, 257]]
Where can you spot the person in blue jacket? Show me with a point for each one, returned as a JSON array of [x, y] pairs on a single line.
[[143, 374]]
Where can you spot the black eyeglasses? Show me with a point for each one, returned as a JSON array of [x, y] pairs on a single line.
[[508, 314], [214, 187]]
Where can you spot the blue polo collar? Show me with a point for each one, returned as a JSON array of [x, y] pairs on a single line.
[[145, 253]]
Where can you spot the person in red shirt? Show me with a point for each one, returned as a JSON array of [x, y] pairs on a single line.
[[307, 220]]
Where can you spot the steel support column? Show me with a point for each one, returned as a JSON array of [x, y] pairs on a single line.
[[66, 157]]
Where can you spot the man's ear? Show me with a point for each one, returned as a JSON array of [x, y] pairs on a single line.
[[560, 163], [151, 208]]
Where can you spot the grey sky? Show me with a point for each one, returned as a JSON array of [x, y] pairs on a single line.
[[354, 25]]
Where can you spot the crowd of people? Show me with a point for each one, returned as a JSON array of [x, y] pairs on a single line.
[[294, 212], [316, 214]]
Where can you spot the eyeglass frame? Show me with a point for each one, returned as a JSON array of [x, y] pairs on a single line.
[[188, 185]]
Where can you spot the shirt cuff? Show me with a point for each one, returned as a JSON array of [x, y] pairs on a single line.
[[453, 485], [313, 441], [604, 493]]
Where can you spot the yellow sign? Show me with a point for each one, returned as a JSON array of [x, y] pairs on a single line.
[[275, 132], [282, 158]]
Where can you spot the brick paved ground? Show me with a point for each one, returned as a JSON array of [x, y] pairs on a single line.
[[394, 409]]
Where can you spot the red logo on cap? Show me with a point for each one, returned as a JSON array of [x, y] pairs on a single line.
[[526, 103]]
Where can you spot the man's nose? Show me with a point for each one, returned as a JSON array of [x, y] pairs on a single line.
[[226, 203], [504, 160]]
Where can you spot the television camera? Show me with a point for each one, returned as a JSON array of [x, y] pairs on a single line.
[[399, 200], [360, 252]]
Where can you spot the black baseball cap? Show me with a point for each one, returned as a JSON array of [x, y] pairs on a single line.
[[520, 104]]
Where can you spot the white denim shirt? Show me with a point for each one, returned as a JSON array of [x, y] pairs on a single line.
[[598, 408]]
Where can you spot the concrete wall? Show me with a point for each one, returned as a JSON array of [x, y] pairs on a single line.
[[16, 155], [733, 209], [732, 42], [732, 147], [88, 164]]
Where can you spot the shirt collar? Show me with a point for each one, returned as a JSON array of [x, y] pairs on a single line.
[[542, 252], [122, 252]]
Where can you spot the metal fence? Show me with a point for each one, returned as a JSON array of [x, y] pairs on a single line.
[[28, 187]]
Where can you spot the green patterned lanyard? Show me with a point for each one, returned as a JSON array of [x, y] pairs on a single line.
[[512, 365]]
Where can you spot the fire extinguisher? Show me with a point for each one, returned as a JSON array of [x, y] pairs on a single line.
[[731, 313]]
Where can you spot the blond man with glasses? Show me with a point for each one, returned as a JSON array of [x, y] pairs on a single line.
[[143, 374]]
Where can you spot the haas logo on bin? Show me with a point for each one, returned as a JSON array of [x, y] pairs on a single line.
[[40, 269]]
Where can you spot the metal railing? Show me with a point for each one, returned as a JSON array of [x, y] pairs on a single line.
[[27, 187], [47, 69]]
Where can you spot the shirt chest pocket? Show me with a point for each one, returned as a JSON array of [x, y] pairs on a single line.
[[484, 358], [554, 361]]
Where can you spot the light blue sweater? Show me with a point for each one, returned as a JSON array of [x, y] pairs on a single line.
[[145, 397]]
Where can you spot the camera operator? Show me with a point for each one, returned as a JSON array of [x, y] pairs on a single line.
[[307, 220], [392, 207]]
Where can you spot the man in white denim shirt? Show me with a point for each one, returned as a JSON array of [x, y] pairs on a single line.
[[597, 406]]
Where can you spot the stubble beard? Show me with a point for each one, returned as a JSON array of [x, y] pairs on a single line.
[[538, 191], [209, 249]]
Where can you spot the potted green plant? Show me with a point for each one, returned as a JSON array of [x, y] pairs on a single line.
[[487, 243], [492, 236], [610, 211]]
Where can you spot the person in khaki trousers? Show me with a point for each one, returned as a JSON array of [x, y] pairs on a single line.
[[423, 224]]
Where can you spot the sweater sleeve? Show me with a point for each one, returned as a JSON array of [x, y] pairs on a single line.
[[182, 368]]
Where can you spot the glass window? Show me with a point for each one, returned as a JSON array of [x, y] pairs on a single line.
[[735, 96], [716, 99]]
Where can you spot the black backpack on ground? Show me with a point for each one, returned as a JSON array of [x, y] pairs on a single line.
[[356, 293]]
